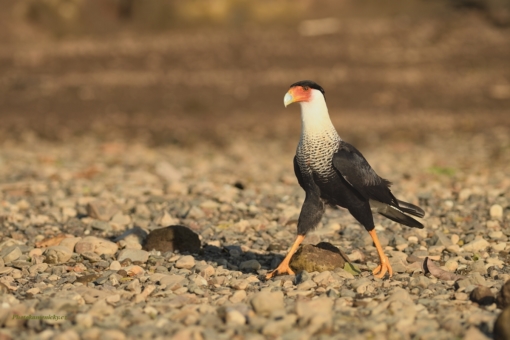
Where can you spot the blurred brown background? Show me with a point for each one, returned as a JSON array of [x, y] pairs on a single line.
[[166, 71]]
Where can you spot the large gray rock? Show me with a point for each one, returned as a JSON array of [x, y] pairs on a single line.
[[174, 237], [318, 258]]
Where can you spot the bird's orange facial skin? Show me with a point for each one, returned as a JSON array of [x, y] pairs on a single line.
[[300, 94]]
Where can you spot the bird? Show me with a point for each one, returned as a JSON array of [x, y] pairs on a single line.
[[332, 172]]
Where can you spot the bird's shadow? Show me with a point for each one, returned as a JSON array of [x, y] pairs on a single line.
[[230, 257]]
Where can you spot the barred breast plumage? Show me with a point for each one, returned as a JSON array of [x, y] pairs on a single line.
[[315, 153]]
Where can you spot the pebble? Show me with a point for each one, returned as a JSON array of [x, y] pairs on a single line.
[[186, 262], [476, 245], [171, 238], [451, 265], [101, 209], [482, 295], [496, 212], [234, 317], [135, 255], [57, 254], [69, 242], [10, 254], [479, 267], [115, 265], [96, 245], [266, 302]]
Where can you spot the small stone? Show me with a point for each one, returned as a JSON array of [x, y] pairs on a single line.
[[266, 302], [479, 267], [166, 219], [134, 270], [169, 239], [92, 257], [496, 212], [451, 265], [238, 296], [476, 245], [57, 254], [482, 295], [35, 252], [101, 210], [101, 225], [120, 219], [239, 284], [168, 172], [306, 285], [10, 254], [186, 262], [420, 281], [361, 285], [250, 265], [316, 313], [234, 317], [115, 265], [70, 242], [442, 239], [460, 296], [454, 248], [318, 258], [135, 255], [85, 320], [38, 268], [206, 271], [97, 245]]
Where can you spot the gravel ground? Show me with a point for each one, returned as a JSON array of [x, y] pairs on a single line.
[[75, 213]]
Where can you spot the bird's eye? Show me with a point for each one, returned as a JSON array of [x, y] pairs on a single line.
[[305, 88]]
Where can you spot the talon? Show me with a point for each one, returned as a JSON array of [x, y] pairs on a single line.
[[384, 267], [282, 269]]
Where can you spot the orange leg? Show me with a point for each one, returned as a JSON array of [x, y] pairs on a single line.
[[284, 266], [385, 263]]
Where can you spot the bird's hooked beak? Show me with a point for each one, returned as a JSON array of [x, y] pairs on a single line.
[[297, 94]]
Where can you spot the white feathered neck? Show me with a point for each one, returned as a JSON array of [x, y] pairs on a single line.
[[315, 120]]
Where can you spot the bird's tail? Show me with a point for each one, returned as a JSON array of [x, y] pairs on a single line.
[[410, 209], [398, 216], [397, 212]]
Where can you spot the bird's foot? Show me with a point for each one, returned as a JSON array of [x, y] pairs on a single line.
[[384, 267], [283, 268]]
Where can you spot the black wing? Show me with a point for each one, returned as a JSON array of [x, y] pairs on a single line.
[[356, 171]]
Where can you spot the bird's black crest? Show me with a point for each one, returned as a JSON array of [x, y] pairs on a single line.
[[310, 84]]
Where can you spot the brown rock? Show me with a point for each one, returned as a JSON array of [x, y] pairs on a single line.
[[482, 295], [503, 298], [174, 237], [502, 325], [318, 258]]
